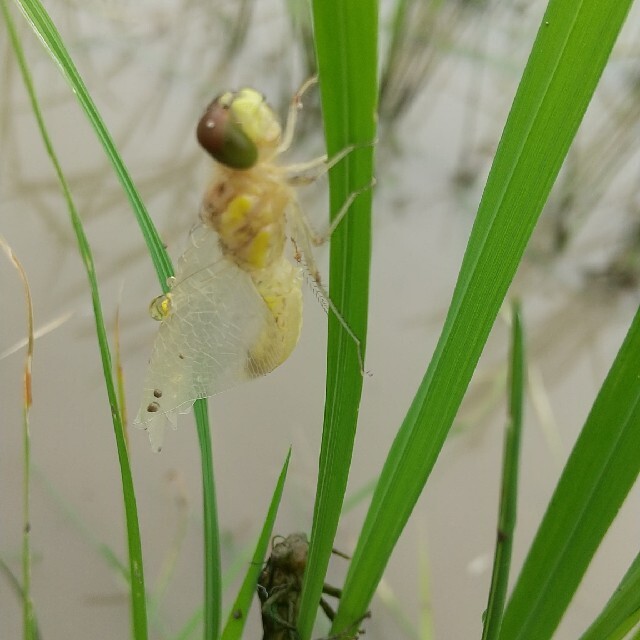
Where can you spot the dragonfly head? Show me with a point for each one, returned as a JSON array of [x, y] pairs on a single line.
[[238, 127]]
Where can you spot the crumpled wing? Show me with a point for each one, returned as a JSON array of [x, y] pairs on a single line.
[[203, 346]]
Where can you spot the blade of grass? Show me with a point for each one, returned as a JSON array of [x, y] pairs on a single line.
[[241, 557], [17, 588], [600, 471], [302, 31], [237, 33], [394, 610], [170, 561], [122, 398], [212, 573], [39, 332], [358, 496], [189, 629], [138, 603], [238, 615], [509, 491], [109, 556], [427, 625], [240, 561], [567, 59], [44, 28], [346, 44], [29, 626], [622, 612]]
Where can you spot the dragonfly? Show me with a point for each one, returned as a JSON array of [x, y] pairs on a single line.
[[234, 308]]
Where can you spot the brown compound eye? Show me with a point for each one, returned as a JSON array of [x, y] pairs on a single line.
[[224, 139]]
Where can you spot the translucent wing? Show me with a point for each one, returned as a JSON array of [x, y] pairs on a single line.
[[214, 318]]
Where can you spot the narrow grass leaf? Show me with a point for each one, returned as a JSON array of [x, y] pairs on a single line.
[[427, 625], [166, 572], [45, 29], [14, 583], [29, 626], [238, 616], [571, 49], [302, 31], [509, 489], [595, 481], [622, 612], [355, 499], [189, 629], [107, 553], [138, 603], [122, 397], [212, 571], [346, 46]]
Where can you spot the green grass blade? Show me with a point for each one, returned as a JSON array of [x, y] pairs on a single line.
[[355, 499], [29, 625], [106, 552], [567, 59], [302, 30], [45, 29], [238, 616], [509, 491], [427, 625], [240, 559], [15, 585], [622, 612], [212, 571], [600, 471], [346, 43], [138, 603], [189, 629]]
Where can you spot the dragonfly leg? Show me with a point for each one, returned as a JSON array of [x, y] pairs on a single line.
[[294, 106], [319, 238], [352, 632], [328, 609], [304, 173]]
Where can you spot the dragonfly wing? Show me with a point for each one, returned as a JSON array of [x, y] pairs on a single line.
[[204, 343]]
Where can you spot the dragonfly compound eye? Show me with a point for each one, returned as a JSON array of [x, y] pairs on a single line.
[[222, 136]]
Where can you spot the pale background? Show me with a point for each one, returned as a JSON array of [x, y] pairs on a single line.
[[151, 69]]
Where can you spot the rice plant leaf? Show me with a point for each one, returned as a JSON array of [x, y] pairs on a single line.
[[571, 49], [211, 531], [600, 471], [29, 623], [509, 489], [622, 612], [238, 616], [69, 511], [346, 45], [15, 585]]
